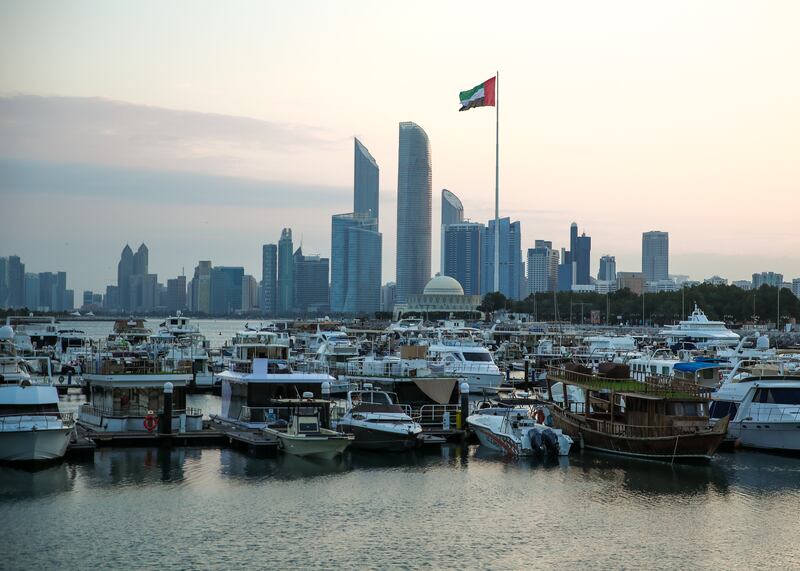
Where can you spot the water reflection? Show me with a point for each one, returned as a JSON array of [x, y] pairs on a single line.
[[237, 465], [133, 466], [21, 483]]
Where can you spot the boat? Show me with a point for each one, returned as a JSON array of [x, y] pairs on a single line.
[[658, 419], [698, 332], [126, 393], [377, 421], [769, 416], [305, 434], [467, 360], [32, 429], [519, 431]]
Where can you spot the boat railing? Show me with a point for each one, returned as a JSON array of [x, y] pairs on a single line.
[[652, 385], [135, 411], [258, 414], [468, 366], [774, 414], [435, 415], [27, 420], [607, 426]]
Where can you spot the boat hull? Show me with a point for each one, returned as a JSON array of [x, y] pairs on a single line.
[[690, 447], [768, 436], [318, 447], [42, 445], [497, 442], [382, 440]]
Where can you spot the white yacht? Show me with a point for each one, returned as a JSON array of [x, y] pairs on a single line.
[[466, 360], [183, 347], [699, 332], [769, 416], [377, 421], [518, 432], [335, 348], [32, 429], [33, 333]]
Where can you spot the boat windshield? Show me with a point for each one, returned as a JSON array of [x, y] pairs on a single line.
[[483, 357], [783, 395]]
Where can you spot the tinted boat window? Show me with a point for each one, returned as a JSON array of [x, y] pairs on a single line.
[[485, 357], [784, 396]]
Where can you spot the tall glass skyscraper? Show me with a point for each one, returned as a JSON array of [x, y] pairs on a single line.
[[365, 182], [311, 291], [413, 211], [269, 278], [452, 213], [226, 289], [461, 254], [510, 258], [124, 273], [355, 263], [655, 256], [285, 272]]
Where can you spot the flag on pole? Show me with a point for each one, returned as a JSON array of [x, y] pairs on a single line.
[[482, 95]]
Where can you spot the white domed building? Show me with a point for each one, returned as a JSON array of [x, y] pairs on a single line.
[[442, 294]]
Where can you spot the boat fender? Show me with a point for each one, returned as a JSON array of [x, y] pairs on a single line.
[[550, 441], [150, 421], [539, 416]]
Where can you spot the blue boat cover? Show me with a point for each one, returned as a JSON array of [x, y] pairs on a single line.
[[694, 366]]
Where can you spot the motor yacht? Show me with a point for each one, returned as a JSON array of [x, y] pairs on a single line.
[[699, 332], [32, 429], [769, 416], [377, 421], [468, 360], [519, 431]]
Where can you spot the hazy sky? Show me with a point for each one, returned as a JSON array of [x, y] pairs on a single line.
[[203, 128]]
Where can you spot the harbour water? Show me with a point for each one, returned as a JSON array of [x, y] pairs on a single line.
[[453, 508]]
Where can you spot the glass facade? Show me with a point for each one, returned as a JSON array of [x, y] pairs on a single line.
[[655, 256], [413, 212], [355, 264], [226, 289], [269, 278], [461, 254], [285, 272], [365, 182], [510, 258]]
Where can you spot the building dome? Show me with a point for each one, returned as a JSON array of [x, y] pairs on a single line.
[[443, 285]]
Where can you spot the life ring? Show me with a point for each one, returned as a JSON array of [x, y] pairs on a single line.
[[61, 378], [539, 416], [150, 421]]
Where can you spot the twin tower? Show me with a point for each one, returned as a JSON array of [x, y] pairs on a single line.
[[356, 243]]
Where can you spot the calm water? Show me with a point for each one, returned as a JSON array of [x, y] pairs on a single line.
[[453, 508]]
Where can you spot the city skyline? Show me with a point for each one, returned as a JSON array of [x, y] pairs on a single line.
[[642, 136]]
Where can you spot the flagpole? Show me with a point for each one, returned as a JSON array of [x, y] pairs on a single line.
[[497, 183]]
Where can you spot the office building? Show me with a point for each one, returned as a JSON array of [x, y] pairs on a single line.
[[176, 294], [249, 293], [413, 211], [226, 289], [770, 279], [32, 291], [655, 256], [200, 288], [608, 269], [388, 297], [542, 267], [269, 278], [796, 287], [634, 281], [366, 196], [356, 256], [285, 272], [311, 283], [452, 213], [124, 273], [510, 258], [15, 276], [461, 254]]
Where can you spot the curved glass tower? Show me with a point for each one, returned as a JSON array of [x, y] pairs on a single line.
[[413, 211], [365, 182], [452, 209]]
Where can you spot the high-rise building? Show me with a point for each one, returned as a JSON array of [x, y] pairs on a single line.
[[608, 269], [124, 273], [200, 288], [771, 279], [3, 283], [226, 289], [52, 290], [176, 294], [365, 183], [634, 281], [542, 267], [87, 298], [141, 261], [413, 212], [144, 292], [16, 282], [655, 256], [582, 256], [111, 299], [249, 293], [510, 258], [461, 254], [356, 256], [796, 287], [452, 213], [32, 291], [285, 272], [311, 293], [269, 278], [388, 297]]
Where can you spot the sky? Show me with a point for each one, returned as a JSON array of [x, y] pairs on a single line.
[[203, 128]]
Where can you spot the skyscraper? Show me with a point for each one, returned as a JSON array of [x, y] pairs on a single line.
[[461, 254], [365, 183], [510, 258], [32, 291], [249, 293], [141, 260], [608, 269], [655, 256], [269, 278], [285, 272], [452, 213], [582, 255], [355, 263], [176, 294], [124, 273], [413, 211], [226, 289], [16, 282], [311, 291], [542, 267], [3, 282]]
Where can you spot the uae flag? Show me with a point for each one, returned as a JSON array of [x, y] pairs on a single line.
[[479, 96]]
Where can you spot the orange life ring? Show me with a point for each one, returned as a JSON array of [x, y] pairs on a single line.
[[539, 416], [150, 422]]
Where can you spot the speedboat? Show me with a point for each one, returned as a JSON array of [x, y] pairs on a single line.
[[305, 435], [378, 422], [32, 429], [519, 432]]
